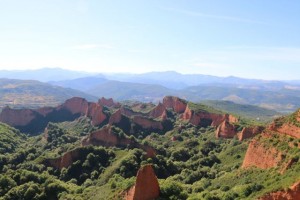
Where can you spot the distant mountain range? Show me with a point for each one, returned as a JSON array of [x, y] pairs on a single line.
[[283, 96], [44, 74]]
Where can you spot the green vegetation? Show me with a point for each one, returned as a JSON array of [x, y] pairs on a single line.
[[33, 94], [191, 163], [243, 110]]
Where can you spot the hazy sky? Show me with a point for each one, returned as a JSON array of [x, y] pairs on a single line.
[[247, 38]]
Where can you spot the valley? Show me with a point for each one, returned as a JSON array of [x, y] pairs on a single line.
[[94, 150]]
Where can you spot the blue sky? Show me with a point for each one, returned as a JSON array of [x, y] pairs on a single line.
[[254, 39]]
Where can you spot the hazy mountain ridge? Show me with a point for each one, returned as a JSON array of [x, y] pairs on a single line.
[[283, 96]]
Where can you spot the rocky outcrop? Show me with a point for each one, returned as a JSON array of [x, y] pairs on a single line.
[[35, 120], [262, 157], [75, 105], [249, 132], [95, 113], [287, 129], [206, 118], [116, 117], [108, 137], [15, 117], [147, 123], [292, 193], [146, 186], [65, 161], [175, 103], [108, 102], [158, 111], [225, 130]]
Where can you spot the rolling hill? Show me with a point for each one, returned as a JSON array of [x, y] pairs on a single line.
[[244, 110], [32, 94]]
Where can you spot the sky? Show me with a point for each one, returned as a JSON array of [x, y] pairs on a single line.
[[252, 39]]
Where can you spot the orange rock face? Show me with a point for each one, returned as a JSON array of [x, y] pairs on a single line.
[[95, 112], [249, 132], [289, 129], [76, 105], [225, 130], [158, 111], [204, 117], [65, 161], [14, 117], [261, 157], [293, 193], [175, 103], [71, 109], [107, 137], [146, 185], [107, 102], [147, 123], [116, 117]]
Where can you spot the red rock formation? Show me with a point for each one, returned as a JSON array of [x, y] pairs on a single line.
[[196, 118], [127, 112], [146, 185], [108, 102], [287, 129], [75, 105], [107, 137], [175, 103], [249, 132], [293, 193], [259, 156], [14, 117], [116, 117], [225, 130], [147, 123], [65, 161], [95, 112], [158, 111]]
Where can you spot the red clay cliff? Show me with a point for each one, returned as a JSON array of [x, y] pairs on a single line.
[[293, 193], [146, 186]]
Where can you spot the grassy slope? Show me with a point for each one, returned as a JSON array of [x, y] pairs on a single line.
[[245, 111], [27, 93]]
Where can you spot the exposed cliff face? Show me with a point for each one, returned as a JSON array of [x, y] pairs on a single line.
[[158, 111], [293, 193], [146, 186], [259, 156], [116, 117], [206, 119], [95, 112], [287, 129], [75, 105], [17, 117], [147, 123], [175, 103], [106, 136], [249, 132], [225, 130], [288, 125], [35, 120], [65, 161], [108, 102]]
